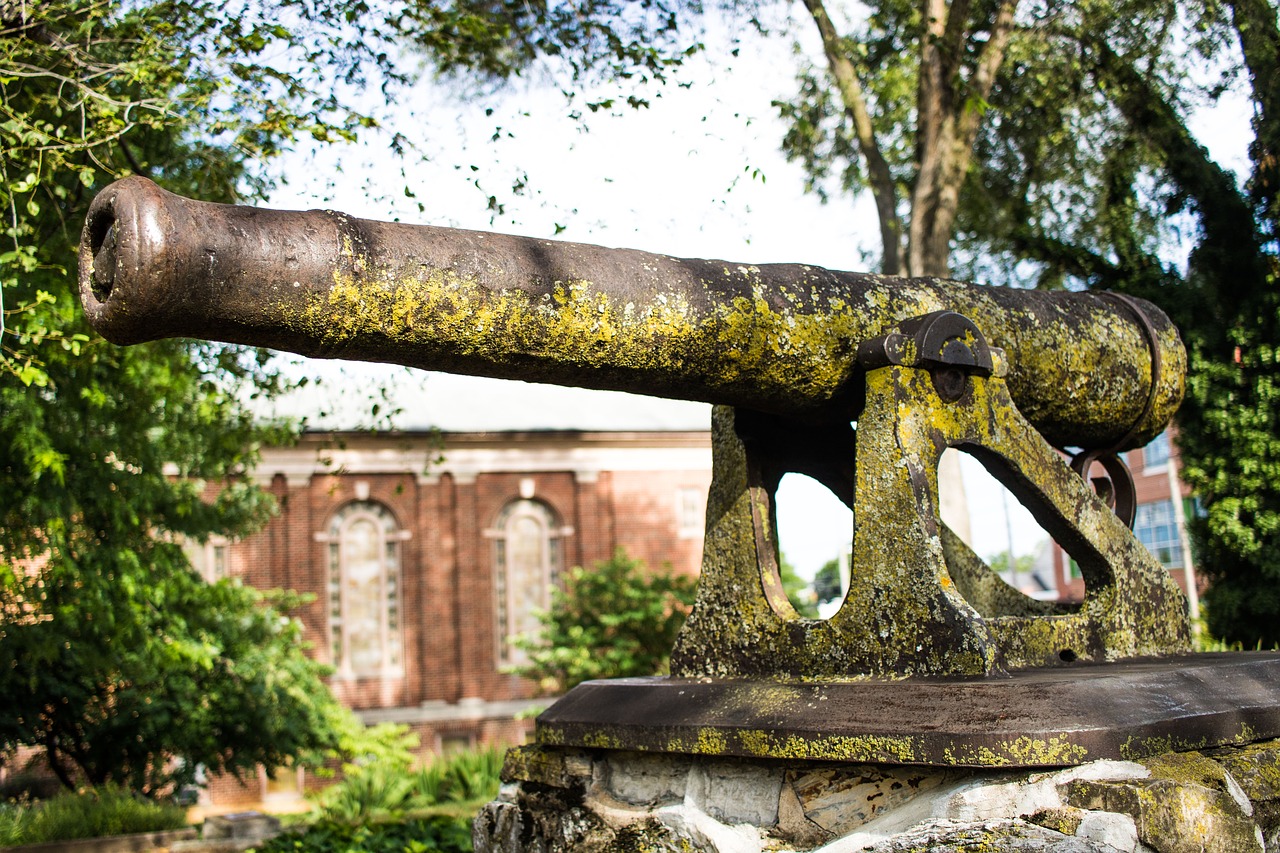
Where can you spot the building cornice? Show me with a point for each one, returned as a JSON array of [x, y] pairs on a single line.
[[464, 456]]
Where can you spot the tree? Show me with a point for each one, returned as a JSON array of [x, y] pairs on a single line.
[[1077, 168], [826, 583], [1093, 172], [115, 658], [802, 596], [613, 620], [116, 691], [1048, 144]]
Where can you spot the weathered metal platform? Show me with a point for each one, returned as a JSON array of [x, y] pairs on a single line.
[[1043, 718]]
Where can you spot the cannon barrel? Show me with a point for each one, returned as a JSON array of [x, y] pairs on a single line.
[[780, 338]]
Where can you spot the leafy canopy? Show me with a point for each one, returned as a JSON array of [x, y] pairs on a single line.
[[115, 658], [118, 661], [1049, 144], [1092, 177]]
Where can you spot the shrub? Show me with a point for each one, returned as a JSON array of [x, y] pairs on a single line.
[[433, 834], [614, 620], [380, 790], [473, 775], [103, 811], [15, 820]]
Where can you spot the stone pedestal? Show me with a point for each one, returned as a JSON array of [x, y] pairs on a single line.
[[1224, 800]]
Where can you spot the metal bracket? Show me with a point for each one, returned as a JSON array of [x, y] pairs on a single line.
[[920, 603]]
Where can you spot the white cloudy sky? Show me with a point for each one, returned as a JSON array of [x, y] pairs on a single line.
[[698, 174]]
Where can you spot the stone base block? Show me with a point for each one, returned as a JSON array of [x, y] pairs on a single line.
[[572, 800]]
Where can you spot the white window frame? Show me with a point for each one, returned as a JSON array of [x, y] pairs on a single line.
[[1152, 524], [506, 624], [1156, 453], [691, 512], [390, 624]]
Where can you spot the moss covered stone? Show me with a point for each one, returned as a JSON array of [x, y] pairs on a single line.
[[1187, 805]]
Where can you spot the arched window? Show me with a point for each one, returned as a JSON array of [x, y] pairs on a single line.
[[364, 590], [527, 563]]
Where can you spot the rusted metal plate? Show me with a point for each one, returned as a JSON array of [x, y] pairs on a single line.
[[1045, 718]]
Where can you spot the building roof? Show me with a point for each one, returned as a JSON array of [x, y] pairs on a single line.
[[408, 400]]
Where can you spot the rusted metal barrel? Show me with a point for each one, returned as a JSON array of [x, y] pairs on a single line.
[[781, 338]]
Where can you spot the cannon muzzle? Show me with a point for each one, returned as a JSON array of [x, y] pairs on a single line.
[[1086, 369]]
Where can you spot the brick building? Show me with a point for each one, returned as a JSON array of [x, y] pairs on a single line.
[[1163, 503], [425, 552]]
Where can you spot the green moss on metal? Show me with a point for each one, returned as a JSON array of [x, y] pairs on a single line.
[[904, 615], [1020, 752], [1138, 748], [577, 326]]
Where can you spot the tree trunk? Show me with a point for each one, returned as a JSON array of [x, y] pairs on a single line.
[[949, 115], [855, 105], [1255, 24], [51, 753]]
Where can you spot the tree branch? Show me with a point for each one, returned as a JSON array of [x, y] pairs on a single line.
[[992, 55], [855, 105], [1255, 23], [1230, 231]]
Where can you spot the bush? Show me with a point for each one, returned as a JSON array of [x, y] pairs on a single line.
[[433, 834], [382, 790], [14, 822], [473, 775], [95, 813], [611, 621]]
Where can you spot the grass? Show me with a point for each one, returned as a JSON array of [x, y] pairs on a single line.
[[91, 814]]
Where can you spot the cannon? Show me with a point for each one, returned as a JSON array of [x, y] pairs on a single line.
[[779, 338], [859, 380]]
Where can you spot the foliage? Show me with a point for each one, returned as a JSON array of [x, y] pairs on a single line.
[[1022, 565], [1092, 173], [382, 790], [1034, 143], [108, 810], [434, 834], [122, 659], [115, 659], [801, 595], [386, 744], [611, 621], [1230, 442], [116, 689], [473, 774], [592, 41], [379, 791], [826, 583], [15, 820]]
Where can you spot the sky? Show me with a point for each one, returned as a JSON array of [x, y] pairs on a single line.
[[697, 174]]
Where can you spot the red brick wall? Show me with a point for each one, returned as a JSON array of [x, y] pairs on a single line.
[[448, 610], [647, 519], [1149, 485], [447, 584]]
